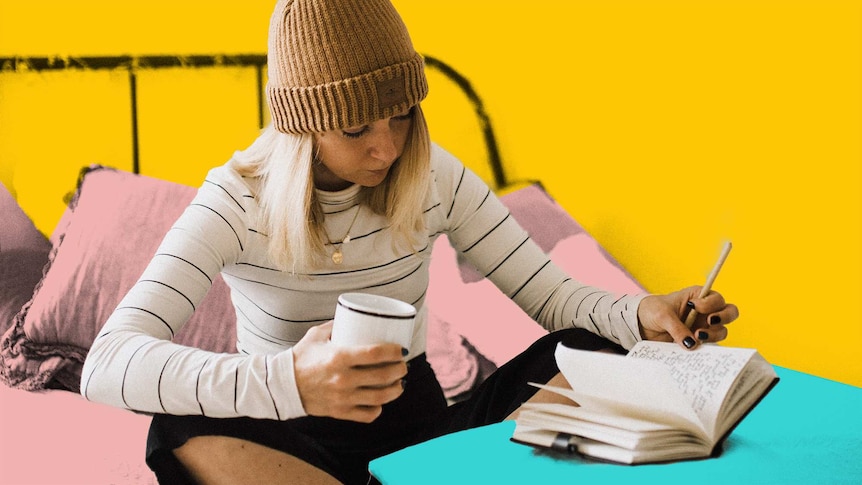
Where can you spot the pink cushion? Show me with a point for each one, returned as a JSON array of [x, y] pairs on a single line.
[[114, 227], [23, 254]]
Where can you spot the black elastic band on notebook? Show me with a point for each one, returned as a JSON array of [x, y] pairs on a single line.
[[562, 443]]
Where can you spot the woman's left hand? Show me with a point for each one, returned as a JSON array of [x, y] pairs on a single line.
[[661, 317]]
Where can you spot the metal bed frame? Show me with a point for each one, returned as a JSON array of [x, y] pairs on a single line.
[[133, 64]]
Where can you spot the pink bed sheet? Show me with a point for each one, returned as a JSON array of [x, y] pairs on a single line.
[[57, 437]]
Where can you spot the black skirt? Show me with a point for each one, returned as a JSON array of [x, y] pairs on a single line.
[[344, 448]]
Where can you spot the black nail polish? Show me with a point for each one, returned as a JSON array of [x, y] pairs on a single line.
[[702, 335], [404, 352], [714, 320], [689, 342], [690, 304]]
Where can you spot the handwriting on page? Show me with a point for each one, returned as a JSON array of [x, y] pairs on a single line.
[[704, 375]]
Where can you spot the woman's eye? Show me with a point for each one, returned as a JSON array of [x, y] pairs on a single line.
[[355, 134], [406, 116], [358, 132]]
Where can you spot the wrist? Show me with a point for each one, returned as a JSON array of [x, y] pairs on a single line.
[[286, 395]]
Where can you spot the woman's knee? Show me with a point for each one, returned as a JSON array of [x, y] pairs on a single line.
[[213, 460]]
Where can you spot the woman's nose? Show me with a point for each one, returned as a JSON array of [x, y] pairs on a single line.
[[383, 145]]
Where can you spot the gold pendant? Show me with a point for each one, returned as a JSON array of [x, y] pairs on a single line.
[[337, 257]]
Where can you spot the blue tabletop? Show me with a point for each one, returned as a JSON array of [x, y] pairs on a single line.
[[806, 430]]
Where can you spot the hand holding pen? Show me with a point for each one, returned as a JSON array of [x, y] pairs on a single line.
[[681, 315]]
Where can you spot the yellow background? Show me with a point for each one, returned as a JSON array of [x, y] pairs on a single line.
[[664, 127]]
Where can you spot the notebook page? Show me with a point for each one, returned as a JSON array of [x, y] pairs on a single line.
[[607, 382], [704, 375]]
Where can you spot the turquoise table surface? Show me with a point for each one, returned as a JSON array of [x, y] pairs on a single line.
[[806, 430]]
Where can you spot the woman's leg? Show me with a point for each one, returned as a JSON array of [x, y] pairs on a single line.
[[216, 460], [184, 450], [508, 387]]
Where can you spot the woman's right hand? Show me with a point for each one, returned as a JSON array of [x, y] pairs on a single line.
[[351, 383]]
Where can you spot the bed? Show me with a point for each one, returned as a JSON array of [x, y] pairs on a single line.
[[58, 284]]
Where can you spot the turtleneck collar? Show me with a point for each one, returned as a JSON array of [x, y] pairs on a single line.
[[338, 200]]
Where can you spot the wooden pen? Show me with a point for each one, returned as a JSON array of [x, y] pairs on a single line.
[[707, 287]]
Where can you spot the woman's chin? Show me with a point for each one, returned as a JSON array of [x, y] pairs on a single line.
[[374, 178]]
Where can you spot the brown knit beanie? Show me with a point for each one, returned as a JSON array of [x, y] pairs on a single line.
[[334, 64]]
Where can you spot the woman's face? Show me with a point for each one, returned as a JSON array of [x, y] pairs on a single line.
[[361, 154]]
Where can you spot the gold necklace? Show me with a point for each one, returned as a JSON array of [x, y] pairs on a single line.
[[338, 256]]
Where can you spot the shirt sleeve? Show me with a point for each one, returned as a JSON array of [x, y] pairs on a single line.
[[481, 228], [133, 363]]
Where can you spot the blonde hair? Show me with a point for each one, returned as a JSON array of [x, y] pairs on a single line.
[[292, 216]]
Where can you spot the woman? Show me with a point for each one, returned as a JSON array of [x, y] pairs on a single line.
[[344, 192]]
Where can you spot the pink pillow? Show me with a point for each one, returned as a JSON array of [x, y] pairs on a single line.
[[23, 254], [111, 231]]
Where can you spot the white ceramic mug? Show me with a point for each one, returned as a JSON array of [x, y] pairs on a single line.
[[366, 319]]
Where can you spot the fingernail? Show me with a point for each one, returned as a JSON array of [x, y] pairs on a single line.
[[404, 352], [689, 342], [714, 320], [403, 384], [690, 304], [702, 335]]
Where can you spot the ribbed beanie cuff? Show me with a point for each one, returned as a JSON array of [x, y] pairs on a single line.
[[334, 64]]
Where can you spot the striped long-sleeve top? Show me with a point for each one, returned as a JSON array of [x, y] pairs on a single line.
[[133, 363]]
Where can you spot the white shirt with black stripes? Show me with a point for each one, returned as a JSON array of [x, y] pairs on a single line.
[[133, 363]]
